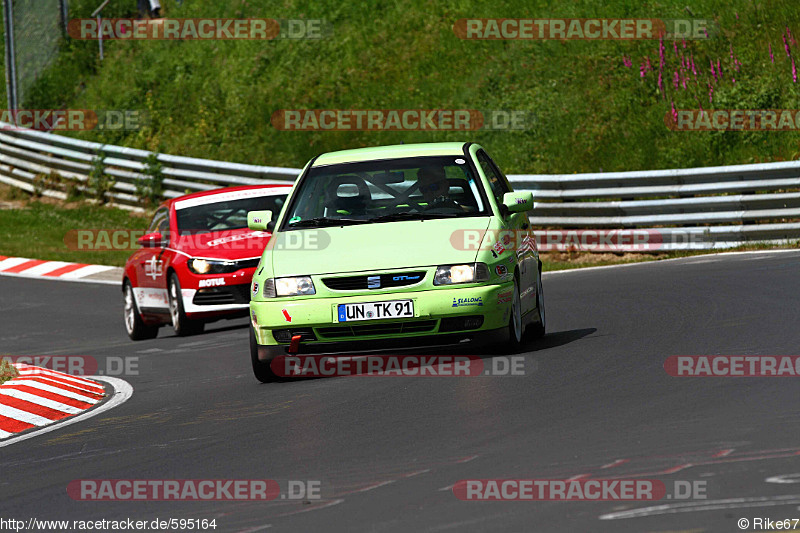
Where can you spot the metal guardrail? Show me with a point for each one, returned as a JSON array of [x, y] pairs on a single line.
[[28, 157], [726, 205]]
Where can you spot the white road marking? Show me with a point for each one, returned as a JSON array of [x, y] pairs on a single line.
[[86, 271], [29, 371], [785, 478], [615, 463], [44, 268], [23, 416], [122, 393], [11, 262], [45, 402], [49, 379], [375, 486], [708, 505], [55, 390]]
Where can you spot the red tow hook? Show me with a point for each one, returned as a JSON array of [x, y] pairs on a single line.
[[294, 346]]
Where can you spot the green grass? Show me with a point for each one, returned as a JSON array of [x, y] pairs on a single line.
[[7, 371], [215, 98], [38, 231]]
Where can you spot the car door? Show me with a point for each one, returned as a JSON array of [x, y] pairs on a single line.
[[518, 226], [151, 293]]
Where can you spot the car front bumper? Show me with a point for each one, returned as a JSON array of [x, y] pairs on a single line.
[[445, 314]]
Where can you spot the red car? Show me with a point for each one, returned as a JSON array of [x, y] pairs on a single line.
[[197, 260]]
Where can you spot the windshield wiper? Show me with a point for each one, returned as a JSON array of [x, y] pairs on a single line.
[[325, 221]]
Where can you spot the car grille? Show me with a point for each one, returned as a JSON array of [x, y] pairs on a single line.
[[382, 281], [362, 330], [232, 294]]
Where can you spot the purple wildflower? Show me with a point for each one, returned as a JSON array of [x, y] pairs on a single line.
[[794, 72], [786, 47], [771, 57]]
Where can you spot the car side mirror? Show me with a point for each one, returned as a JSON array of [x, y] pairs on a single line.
[[260, 221], [518, 202], [151, 240]]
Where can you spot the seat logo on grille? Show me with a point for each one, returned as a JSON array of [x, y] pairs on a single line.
[[373, 282]]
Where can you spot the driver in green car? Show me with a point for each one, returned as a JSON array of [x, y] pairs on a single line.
[[435, 189]]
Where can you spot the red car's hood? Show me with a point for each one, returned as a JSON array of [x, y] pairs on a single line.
[[229, 244]]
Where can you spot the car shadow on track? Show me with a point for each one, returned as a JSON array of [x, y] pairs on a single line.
[[494, 359], [559, 338]]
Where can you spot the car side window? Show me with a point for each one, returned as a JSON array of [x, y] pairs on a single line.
[[497, 181], [160, 221]]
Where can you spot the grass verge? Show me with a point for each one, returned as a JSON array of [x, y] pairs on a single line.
[[7, 371], [37, 229]]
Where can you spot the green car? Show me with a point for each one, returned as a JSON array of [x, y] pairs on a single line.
[[396, 247]]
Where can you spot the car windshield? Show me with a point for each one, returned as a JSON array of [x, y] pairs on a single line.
[[225, 215], [385, 191]]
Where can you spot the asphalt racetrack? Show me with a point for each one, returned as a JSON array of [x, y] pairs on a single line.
[[596, 402]]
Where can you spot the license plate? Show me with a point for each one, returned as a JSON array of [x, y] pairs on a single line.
[[376, 310]]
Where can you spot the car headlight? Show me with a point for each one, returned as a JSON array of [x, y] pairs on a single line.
[[298, 286], [469, 273], [209, 266]]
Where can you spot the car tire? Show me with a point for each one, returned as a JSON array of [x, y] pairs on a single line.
[[537, 330], [134, 325], [183, 325], [515, 326], [262, 369]]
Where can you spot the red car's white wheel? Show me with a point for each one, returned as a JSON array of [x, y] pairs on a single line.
[[182, 324]]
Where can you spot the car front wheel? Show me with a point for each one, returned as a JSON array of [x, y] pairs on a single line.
[[262, 368], [182, 324]]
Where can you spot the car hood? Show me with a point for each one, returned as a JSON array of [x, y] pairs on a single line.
[[380, 246], [230, 244]]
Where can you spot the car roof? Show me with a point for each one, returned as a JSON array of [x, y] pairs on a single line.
[[390, 152], [279, 188]]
